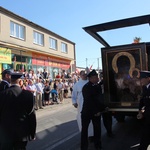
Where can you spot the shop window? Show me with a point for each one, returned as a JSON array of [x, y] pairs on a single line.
[[21, 67], [29, 60], [7, 66], [29, 67], [19, 58]]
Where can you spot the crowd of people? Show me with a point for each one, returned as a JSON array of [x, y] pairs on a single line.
[[46, 91], [21, 95]]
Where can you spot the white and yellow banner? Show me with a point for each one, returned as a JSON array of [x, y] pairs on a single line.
[[5, 55]]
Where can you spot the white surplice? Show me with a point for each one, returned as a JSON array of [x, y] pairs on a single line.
[[77, 97]]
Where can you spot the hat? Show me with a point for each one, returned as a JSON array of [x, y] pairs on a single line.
[[92, 73], [15, 75], [6, 71], [144, 74]]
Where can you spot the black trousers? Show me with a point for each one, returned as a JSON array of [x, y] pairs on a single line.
[[18, 145], [96, 121], [107, 121], [7, 143], [145, 136]]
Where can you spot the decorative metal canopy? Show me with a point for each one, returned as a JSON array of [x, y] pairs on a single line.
[[92, 30]]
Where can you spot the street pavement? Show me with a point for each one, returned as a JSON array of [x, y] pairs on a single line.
[[66, 101], [51, 109]]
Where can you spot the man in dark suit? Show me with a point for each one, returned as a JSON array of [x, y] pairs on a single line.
[[6, 77], [144, 110], [91, 111], [17, 116], [107, 117], [44, 74]]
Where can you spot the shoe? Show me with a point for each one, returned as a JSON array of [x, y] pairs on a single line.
[[35, 108], [41, 108], [51, 103]]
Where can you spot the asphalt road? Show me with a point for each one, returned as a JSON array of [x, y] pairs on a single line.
[[57, 130], [56, 125]]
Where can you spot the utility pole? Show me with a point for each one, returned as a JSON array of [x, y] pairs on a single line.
[[86, 62], [98, 63]]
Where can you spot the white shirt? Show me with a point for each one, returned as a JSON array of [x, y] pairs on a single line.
[[38, 75], [60, 86], [39, 87], [65, 85], [32, 87], [77, 96]]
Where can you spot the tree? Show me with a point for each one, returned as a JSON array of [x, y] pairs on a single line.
[[137, 40]]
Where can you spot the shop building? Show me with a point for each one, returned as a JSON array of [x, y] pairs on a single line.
[[25, 45]]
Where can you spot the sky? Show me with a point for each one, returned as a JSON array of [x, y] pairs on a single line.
[[68, 17]]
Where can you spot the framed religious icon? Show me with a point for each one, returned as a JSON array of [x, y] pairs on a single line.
[[121, 69]]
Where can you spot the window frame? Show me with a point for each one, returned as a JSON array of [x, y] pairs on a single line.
[[38, 38], [64, 47], [17, 30], [53, 43]]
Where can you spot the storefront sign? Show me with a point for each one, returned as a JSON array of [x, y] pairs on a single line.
[[46, 63], [42, 60], [34, 61], [5, 55], [59, 65], [39, 56], [65, 66]]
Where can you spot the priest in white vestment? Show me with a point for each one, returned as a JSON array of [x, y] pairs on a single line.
[[77, 100]]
